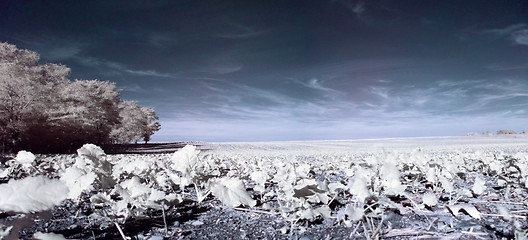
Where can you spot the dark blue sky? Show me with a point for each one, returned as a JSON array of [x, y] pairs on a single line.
[[294, 70]]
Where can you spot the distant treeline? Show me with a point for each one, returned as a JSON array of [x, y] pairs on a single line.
[[499, 132], [41, 110]]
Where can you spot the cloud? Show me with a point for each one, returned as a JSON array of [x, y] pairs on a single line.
[[161, 40], [241, 32], [382, 92], [357, 8], [506, 67], [315, 84], [121, 68], [229, 111], [507, 30], [51, 47], [520, 37], [243, 35], [223, 64], [518, 33]]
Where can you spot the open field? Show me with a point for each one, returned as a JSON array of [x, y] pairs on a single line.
[[441, 187]]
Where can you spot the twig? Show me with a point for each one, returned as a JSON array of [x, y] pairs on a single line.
[[407, 232], [485, 202], [365, 230], [255, 211], [499, 215], [120, 231], [355, 229], [474, 233], [380, 224], [164, 220], [518, 211], [418, 208]]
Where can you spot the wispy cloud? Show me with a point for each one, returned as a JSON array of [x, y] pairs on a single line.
[[121, 68], [243, 35], [359, 8], [390, 110], [51, 47], [384, 81], [241, 32], [161, 40], [521, 37], [518, 33], [356, 7], [314, 84], [382, 92], [506, 67], [453, 98], [507, 30]]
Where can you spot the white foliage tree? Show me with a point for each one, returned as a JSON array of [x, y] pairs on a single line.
[[137, 123], [40, 107], [25, 90]]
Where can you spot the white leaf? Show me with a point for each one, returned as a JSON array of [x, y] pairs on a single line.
[[504, 212], [135, 187], [25, 158], [324, 211], [32, 194], [77, 180], [390, 177], [48, 236], [429, 199], [232, 192], [91, 151], [446, 184], [479, 186], [302, 170], [4, 173], [354, 213], [260, 178], [359, 186], [185, 159], [468, 208]]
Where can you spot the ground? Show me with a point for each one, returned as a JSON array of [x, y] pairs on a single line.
[[497, 211]]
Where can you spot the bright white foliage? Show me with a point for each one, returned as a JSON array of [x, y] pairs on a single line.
[[32, 194], [78, 180], [89, 166], [503, 211], [91, 152], [4, 232], [232, 192], [25, 158], [185, 160], [354, 213], [468, 208], [390, 177], [260, 179], [479, 186], [48, 236], [358, 186], [429, 199]]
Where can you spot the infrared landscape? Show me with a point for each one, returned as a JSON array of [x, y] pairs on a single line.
[[259, 119]]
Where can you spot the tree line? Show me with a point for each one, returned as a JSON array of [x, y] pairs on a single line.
[[42, 110]]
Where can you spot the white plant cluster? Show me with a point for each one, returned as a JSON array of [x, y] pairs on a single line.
[[296, 185]]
